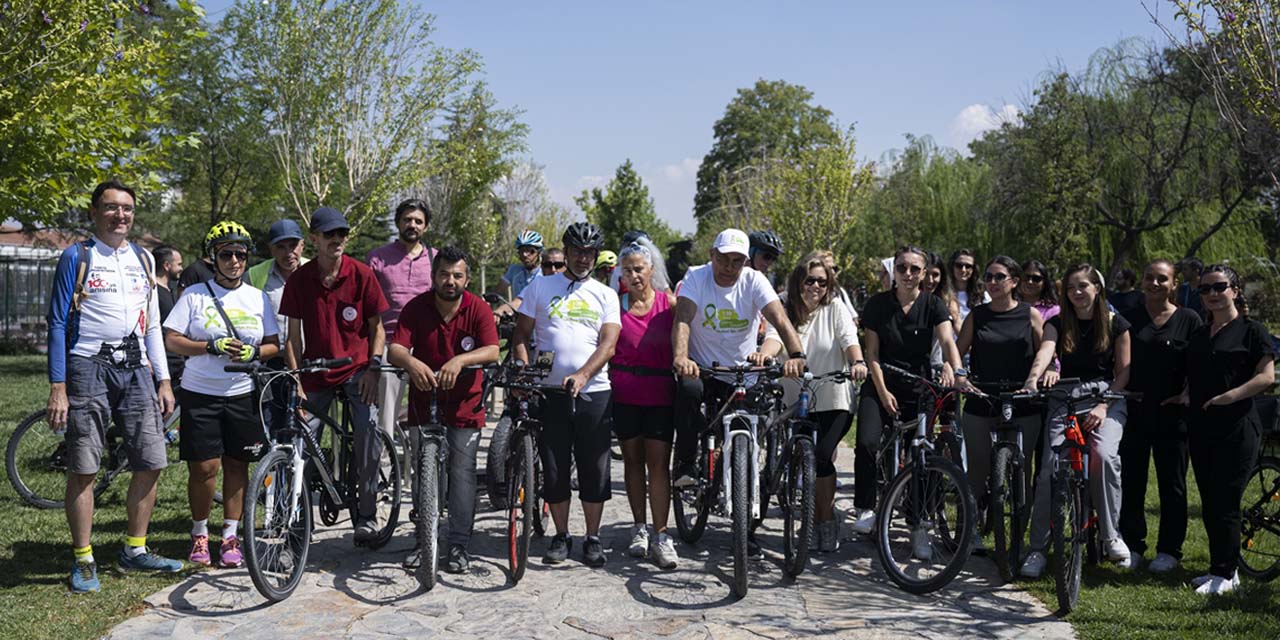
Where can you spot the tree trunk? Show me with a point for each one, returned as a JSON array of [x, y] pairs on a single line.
[[1122, 250], [484, 288], [1217, 225]]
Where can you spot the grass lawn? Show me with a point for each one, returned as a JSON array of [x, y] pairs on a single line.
[[35, 545]]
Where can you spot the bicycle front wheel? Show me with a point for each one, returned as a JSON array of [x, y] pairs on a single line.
[[1260, 522], [520, 504], [426, 509], [1068, 534], [797, 505], [1007, 497], [277, 527], [692, 504], [924, 526], [36, 463], [741, 470], [387, 495]]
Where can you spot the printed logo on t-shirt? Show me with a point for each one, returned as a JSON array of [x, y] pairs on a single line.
[[243, 321], [723, 320], [468, 343], [573, 310], [349, 314]]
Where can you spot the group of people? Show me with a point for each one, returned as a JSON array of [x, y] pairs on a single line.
[[627, 346]]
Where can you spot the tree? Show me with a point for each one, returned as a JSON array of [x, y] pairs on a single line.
[[84, 85], [773, 119], [623, 205]]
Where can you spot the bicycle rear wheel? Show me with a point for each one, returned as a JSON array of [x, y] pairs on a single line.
[[1068, 533], [925, 525], [36, 463], [277, 529], [520, 505], [797, 506], [693, 503], [1260, 522], [495, 461], [741, 476], [387, 497], [426, 509], [772, 458], [1005, 512]]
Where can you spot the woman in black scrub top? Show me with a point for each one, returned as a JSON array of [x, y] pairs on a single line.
[[899, 328], [1157, 429], [1229, 361]]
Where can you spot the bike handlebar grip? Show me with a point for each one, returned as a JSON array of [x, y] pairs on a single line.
[[492, 298], [335, 362], [247, 367]]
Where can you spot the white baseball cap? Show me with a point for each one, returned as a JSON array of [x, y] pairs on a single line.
[[732, 241]]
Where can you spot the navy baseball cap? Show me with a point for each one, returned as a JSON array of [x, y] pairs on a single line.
[[328, 219], [283, 230]]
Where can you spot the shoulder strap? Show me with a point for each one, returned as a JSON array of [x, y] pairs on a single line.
[[148, 268], [82, 274], [222, 312]]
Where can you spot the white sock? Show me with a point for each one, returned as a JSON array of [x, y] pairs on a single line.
[[134, 552], [594, 538], [229, 528], [200, 527]]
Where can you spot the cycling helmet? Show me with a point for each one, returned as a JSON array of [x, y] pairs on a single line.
[[583, 235], [765, 241], [632, 236], [607, 259], [226, 232], [529, 238]]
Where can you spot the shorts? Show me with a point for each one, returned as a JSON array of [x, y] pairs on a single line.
[[98, 396], [216, 426], [584, 438], [653, 423]]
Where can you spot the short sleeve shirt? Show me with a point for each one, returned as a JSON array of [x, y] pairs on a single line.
[[433, 341], [906, 339], [568, 317], [1159, 363], [1218, 363], [727, 320], [519, 278], [401, 276], [1084, 362], [334, 319], [195, 315]]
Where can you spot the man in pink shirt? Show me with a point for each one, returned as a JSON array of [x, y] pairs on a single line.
[[403, 268]]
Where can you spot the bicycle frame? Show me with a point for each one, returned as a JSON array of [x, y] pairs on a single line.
[[734, 419]]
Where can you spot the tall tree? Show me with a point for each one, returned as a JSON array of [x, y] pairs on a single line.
[[623, 205]]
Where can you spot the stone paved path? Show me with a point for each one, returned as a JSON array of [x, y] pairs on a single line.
[[362, 594]]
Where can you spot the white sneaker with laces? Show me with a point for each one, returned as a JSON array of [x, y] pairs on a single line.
[[865, 521], [921, 549], [1033, 566], [639, 541], [1218, 585], [1117, 551], [1163, 563], [663, 551]]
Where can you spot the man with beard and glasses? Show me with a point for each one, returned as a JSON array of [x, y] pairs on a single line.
[[403, 268], [439, 333]]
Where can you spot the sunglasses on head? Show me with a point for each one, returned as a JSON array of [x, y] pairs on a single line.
[[1219, 287], [904, 269], [553, 265], [994, 277], [818, 282], [227, 255]]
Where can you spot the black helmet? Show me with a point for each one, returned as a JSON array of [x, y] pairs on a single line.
[[765, 241], [583, 235]]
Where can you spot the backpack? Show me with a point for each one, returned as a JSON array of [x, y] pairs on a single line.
[[82, 273]]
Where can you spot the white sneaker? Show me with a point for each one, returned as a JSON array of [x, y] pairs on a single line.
[[663, 551], [1217, 585], [920, 547], [639, 541], [1199, 581], [1118, 552], [1163, 563], [1034, 565], [865, 521]]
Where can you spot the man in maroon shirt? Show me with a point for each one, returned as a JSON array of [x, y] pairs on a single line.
[[335, 301], [440, 332]]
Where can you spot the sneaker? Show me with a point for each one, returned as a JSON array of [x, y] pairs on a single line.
[[753, 547], [199, 551], [639, 541], [1163, 563], [1218, 585], [458, 561], [662, 549], [1118, 552], [685, 475], [229, 555], [366, 529], [413, 560], [921, 549], [558, 549], [84, 577], [593, 552], [865, 521], [1198, 581], [829, 536], [147, 561], [1034, 565]]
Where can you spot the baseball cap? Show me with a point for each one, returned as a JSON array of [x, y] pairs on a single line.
[[732, 241], [283, 230], [327, 219]]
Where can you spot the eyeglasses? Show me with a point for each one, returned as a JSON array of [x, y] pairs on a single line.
[[994, 277], [553, 265], [967, 266], [336, 233], [1035, 278], [904, 269], [112, 207], [227, 256], [821, 283], [1219, 287]]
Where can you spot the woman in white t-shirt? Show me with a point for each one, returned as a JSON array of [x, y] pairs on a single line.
[[215, 323]]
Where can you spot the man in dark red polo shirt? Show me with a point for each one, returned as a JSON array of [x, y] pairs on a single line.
[[336, 303], [440, 332]]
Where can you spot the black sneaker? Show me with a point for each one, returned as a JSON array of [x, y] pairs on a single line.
[[558, 549], [686, 475], [593, 553], [458, 561], [753, 547]]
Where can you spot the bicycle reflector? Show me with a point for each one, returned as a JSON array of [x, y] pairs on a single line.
[[739, 394], [1076, 456]]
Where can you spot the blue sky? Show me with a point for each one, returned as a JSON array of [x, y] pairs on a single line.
[[600, 82]]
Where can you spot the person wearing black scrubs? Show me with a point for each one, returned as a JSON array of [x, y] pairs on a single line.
[[899, 328], [1229, 362], [1157, 429]]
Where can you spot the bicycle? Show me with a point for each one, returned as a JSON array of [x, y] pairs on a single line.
[[1006, 512], [928, 507], [278, 501], [735, 494], [1260, 508]]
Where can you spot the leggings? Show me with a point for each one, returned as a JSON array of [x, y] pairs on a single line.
[[832, 427], [585, 437]]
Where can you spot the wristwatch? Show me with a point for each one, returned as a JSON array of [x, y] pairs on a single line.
[[859, 362], [962, 372], [798, 354], [375, 362]]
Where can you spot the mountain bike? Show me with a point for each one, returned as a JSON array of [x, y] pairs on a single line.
[[1260, 506], [1005, 510]]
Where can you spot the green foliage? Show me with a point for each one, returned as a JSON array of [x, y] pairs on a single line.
[[623, 205], [84, 91]]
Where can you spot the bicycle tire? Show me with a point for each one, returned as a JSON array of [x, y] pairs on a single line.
[[495, 461], [427, 511], [692, 504], [520, 508], [42, 452], [1002, 513], [1260, 519], [266, 554], [954, 511], [1068, 542], [798, 506], [741, 476], [768, 488]]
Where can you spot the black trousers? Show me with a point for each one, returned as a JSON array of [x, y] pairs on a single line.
[[689, 420], [1223, 457], [872, 420], [1158, 432]]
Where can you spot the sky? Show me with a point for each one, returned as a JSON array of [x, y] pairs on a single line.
[[603, 82]]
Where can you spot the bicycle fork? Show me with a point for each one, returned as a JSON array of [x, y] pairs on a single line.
[[729, 421]]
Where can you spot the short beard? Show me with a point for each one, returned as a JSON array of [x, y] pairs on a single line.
[[410, 236], [443, 295]]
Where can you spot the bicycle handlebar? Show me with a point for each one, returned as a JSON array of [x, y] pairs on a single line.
[[306, 366]]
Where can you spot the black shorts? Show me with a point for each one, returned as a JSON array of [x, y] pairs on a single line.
[[585, 437], [653, 423], [216, 426]]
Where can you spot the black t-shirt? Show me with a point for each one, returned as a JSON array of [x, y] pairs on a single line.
[[1159, 363], [166, 298], [1083, 362], [1002, 351], [1216, 364], [906, 340], [1129, 304]]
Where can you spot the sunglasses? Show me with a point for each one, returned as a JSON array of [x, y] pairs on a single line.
[[994, 277], [336, 233], [821, 283], [1035, 279], [239, 256], [1219, 287], [967, 266], [553, 265], [769, 257], [904, 269]]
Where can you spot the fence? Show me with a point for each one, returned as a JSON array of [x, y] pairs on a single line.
[[25, 286]]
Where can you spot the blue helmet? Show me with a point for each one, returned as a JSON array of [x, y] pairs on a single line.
[[529, 238]]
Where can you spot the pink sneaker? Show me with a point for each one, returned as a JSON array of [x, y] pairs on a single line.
[[229, 555], [199, 551]]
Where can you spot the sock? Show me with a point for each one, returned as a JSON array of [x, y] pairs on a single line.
[[83, 554], [593, 538], [135, 546], [229, 528], [200, 527]]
